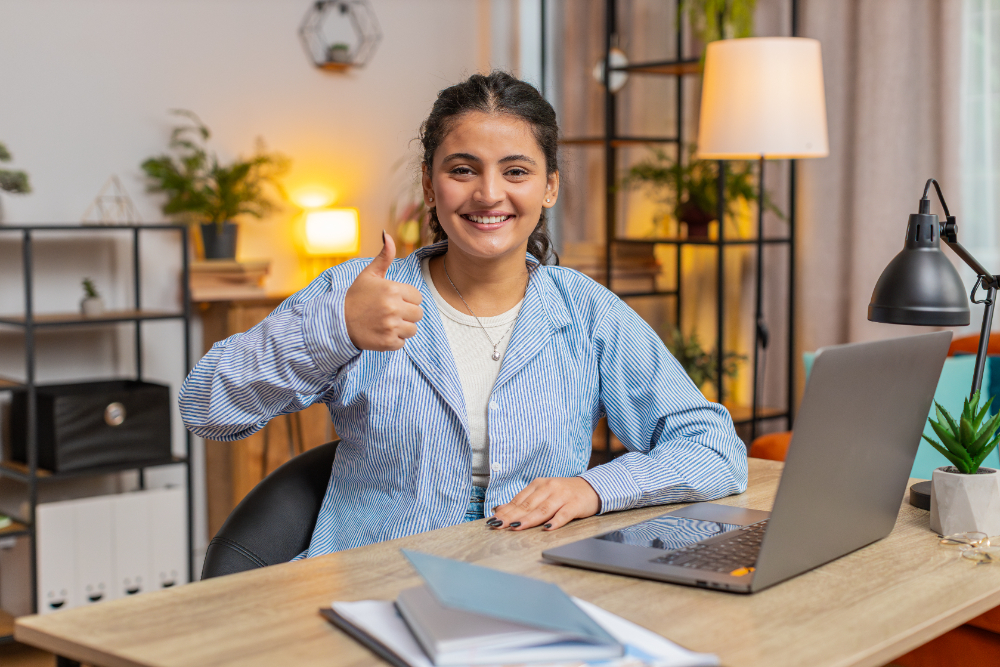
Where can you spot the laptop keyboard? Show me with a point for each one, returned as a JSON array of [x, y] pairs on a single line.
[[737, 552]]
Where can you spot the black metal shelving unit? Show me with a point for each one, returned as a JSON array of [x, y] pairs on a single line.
[[30, 323], [679, 67]]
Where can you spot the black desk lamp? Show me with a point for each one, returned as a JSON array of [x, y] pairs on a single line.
[[921, 286]]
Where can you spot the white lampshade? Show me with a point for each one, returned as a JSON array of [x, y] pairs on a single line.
[[333, 232], [763, 96]]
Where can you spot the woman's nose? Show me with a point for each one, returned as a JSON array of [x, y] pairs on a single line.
[[490, 190]]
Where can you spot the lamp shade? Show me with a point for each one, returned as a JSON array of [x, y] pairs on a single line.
[[333, 232], [920, 285], [763, 96]]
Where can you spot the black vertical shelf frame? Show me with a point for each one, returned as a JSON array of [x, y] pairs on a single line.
[[31, 322], [680, 67]]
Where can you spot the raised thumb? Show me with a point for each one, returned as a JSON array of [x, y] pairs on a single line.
[[380, 263]]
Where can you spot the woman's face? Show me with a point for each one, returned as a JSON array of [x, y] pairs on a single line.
[[489, 185]]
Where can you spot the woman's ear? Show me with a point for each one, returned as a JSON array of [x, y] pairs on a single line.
[[425, 182], [551, 190]]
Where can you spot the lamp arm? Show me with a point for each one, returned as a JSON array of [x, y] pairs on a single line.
[[949, 234]]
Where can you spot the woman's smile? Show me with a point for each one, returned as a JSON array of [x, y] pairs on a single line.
[[488, 220]]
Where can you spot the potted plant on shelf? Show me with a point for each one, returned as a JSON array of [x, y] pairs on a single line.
[[200, 189], [701, 365], [338, 53], [12, 181], [690, 189], [965, 497], [91, 305]]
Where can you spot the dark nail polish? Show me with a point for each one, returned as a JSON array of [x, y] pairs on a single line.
[[548, 525], [383, 237], [515, 524], [494, 522]]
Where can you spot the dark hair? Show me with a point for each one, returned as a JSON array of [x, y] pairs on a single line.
[[495, 93]]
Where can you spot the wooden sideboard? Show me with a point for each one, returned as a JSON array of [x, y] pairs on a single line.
[[232, 469]]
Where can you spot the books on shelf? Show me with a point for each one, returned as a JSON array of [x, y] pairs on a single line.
[[224, 279], [471, 615]]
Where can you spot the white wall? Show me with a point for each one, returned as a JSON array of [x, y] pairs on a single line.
[[84, 94]]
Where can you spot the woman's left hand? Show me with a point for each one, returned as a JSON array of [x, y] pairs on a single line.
[[551, 502]]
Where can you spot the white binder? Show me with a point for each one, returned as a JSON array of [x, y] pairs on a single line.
[[132, 547], [94, 550], [56, 550], [167, 521]]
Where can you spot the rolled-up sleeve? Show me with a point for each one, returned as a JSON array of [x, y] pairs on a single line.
[[682, 448], [282, 365]]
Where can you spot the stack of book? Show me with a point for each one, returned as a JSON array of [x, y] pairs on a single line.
[[227, 279]]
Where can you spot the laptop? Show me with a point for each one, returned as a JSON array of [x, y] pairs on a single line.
[[856, 436]]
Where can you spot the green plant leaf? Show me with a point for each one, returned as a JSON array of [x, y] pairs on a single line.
[[955, 461], [984, 436], [978, 460], [943, 415], [965, 433], [982, 413], [953, 445]]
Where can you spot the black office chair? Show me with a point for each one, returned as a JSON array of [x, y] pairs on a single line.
[[274, 522]]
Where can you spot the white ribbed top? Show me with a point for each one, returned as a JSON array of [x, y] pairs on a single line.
[[476, 369]]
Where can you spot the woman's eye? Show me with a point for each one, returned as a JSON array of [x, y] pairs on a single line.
[[517, 172], [461, 171]]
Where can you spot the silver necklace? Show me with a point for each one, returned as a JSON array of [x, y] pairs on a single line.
[[496, 353]]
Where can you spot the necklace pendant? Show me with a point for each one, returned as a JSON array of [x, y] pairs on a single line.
[[496, 355]]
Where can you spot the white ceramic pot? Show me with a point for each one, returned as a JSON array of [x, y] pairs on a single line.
[[92, 306], [962, 503]]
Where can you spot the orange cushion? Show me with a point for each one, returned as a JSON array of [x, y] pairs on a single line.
[[773, 446], [970, 345]]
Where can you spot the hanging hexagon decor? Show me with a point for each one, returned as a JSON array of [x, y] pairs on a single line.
[[340, 34]]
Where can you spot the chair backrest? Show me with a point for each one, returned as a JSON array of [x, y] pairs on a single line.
[[274, 522]]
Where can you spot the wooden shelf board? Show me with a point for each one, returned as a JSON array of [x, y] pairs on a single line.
[[6, 627], [674, 67], [15, 528], [335, 67], [50, 319], [7, 382], [20, 470], [741, 413]]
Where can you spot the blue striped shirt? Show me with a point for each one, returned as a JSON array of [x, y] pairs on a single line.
[[403, 466]]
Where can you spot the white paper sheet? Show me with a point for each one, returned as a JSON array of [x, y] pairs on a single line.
[[642, 648]]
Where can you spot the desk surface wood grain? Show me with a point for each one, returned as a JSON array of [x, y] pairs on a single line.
[[864, 609]]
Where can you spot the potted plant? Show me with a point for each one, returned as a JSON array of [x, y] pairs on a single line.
[[200, 189], [12, 181], [338, 53], [719, 19], [965, 497], [690, 189], [700, 365], [91, 305]]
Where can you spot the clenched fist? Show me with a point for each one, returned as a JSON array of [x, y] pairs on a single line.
[[381, 314]]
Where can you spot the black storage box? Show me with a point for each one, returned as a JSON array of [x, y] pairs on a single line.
[[92, 424]]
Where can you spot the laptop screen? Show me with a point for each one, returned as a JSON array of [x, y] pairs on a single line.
[[668, 532]]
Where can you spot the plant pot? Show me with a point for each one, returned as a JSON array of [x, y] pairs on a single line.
[[337, 54], [92, 306], [697, 221], [219, 240], [963, 503]]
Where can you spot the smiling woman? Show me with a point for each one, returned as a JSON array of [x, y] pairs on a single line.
[[469, 375]]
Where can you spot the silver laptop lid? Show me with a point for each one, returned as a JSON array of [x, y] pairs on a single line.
[[855, 439]]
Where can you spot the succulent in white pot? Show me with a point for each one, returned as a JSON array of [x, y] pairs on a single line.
[[965, 497], [92, 305]]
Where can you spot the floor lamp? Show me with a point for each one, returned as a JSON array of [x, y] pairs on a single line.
[[762, 99]]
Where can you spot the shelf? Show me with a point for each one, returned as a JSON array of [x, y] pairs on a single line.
[[6, 627], [617, 141], [162, 226], [334, 66], [76, 319], [15, 529], [20, 471], [677, 240], [669, 67], [7, 383], [741, 413], [662, 292]]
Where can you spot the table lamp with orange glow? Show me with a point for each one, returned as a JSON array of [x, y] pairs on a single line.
[[762, 98], [330, 235]]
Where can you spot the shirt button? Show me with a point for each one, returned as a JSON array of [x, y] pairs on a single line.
[[493, 405], [495, 467]]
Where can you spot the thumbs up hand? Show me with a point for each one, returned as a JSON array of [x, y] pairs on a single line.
[[381, 314]]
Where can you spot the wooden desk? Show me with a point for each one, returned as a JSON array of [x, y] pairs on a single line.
[[863, 609]]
